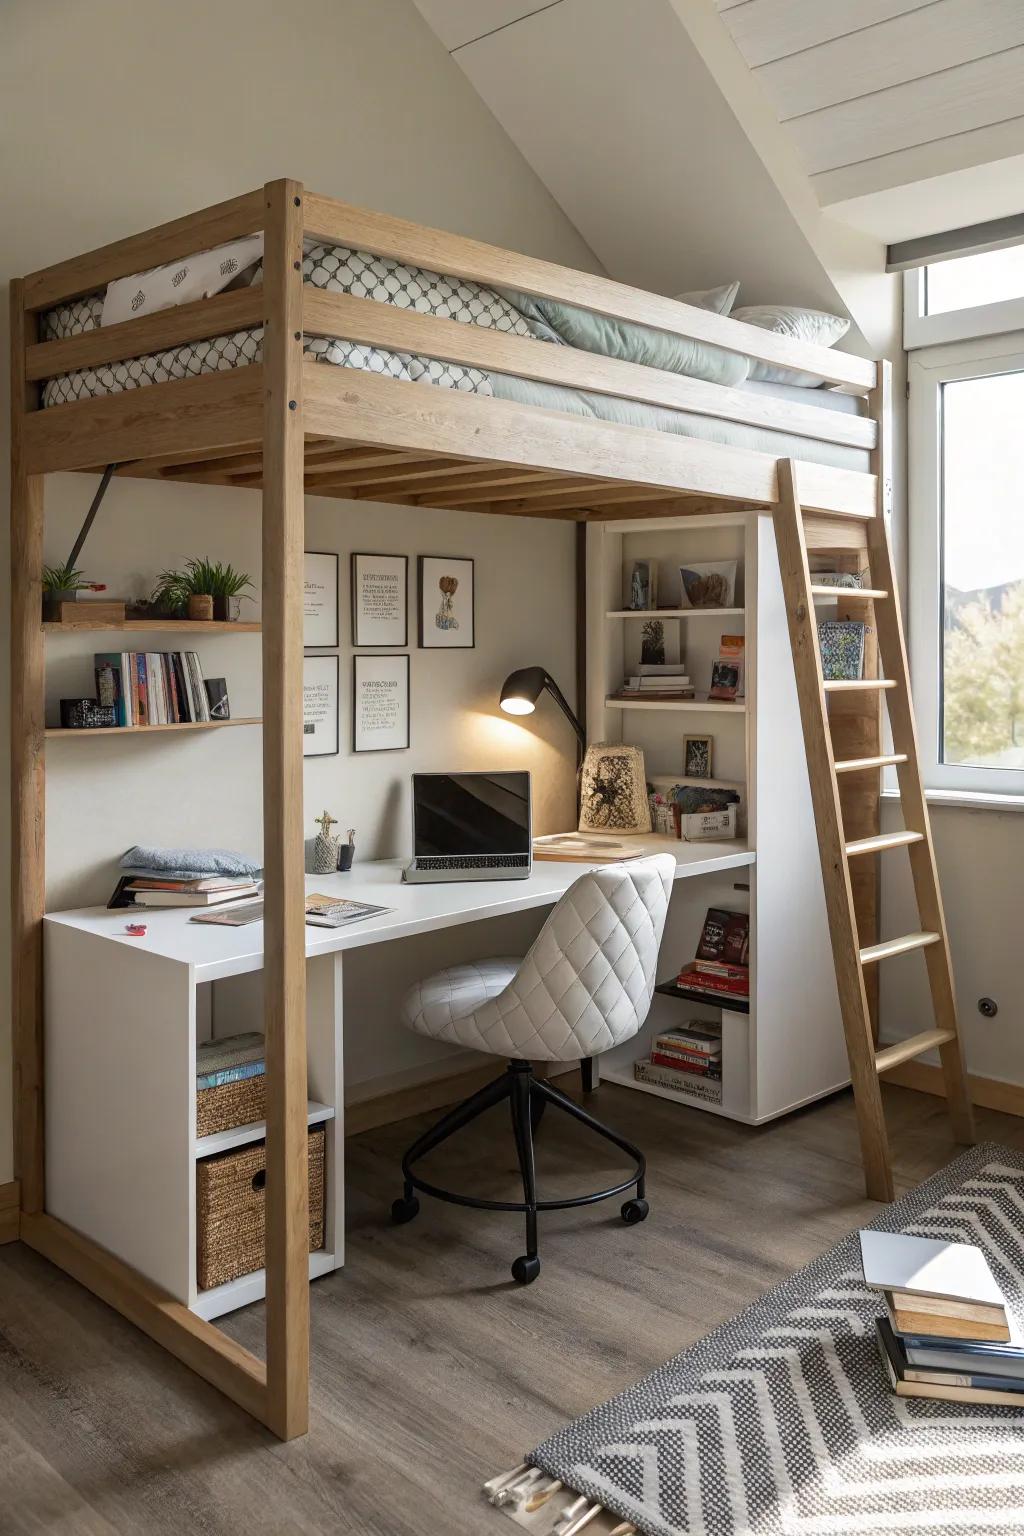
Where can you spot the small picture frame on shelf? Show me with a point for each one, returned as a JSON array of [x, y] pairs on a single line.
[[697, 757], [380, 600], [659, 643], [642, 585], [380, 703], [708, 584], [319, 601], [447, 603], [320, 676]]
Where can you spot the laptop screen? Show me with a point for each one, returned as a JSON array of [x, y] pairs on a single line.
[[470, 813]]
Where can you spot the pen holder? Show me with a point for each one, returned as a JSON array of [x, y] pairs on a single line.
[[346, 853]]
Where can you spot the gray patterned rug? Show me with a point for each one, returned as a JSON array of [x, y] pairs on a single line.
[[781, 1423]]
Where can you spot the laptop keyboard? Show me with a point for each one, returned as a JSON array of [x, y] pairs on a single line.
[[474, 861]]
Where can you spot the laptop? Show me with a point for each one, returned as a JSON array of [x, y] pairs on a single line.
[[470, 826]]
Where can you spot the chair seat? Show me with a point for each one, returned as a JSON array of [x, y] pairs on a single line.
[[443, 1005]]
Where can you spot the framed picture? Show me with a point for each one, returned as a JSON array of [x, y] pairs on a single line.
[[642, 585], [447, 603], [697, 757], [380, 703], [319, 601], [708, 584], [380, 599], [320, 706]]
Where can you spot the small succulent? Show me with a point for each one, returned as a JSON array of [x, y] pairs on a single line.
[[63, 578], [198, 578]]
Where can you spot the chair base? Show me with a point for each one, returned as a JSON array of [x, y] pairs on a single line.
[[528, 1097]]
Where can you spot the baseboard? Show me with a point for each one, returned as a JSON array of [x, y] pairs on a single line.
[[432, 1095], [10, 1212], [986, 1092]]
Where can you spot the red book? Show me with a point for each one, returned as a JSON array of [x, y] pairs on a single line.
[[702, 982], [693, 1064]]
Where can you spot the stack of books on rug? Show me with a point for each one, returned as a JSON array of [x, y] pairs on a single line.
[[947, 1333], [721, 969], [687, 1060]]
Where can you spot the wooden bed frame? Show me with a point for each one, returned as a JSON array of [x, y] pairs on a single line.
[[290, 426]]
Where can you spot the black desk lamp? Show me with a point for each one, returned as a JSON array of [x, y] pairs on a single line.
[[521, 690]]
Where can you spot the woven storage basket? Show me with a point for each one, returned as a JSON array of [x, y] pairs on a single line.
[[231, 1104], [231, 1210]]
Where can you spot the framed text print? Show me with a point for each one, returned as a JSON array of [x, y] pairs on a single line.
[[380, 703], [319, 601], [446, 603], [380, 599], [320, 706]]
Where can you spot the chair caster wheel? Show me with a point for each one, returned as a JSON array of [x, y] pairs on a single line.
[[403, 1210], [634, 1211], [525, 1270]]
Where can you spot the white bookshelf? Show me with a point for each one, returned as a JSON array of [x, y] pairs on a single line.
[[245, 1135], [789, 1048]]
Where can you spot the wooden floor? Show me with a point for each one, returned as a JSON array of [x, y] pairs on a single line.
[[431, 1370]]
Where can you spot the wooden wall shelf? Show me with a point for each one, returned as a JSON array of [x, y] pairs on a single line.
[[139, 730], [675, 613], [164, 626]]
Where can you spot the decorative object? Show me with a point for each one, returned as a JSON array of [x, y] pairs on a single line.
[[521, 690], [231, 1210], [708, 584], [847, 579], [643, 586], [380, 600], [319, 600], [613, 790], [725, 681], [204, 589], [697, 756], [705, 826], [84, 613], [61, 584], [326, 849], [347, 852], [663, 819], [217, 697], [87, 714], [380, 703], [652, 643], [841, 643], [320, 687], [447, 603], [794, 1387]]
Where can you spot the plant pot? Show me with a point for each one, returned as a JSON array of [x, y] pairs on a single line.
[[53, 599], [226, 609], [200, 606]]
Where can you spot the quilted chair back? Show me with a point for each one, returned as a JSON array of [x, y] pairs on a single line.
[[587, 982]]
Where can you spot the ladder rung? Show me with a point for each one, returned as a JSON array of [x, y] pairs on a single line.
[[856, 764], [901, 946], [906, 1050], [880, 844], [851, 684], [842, 594]]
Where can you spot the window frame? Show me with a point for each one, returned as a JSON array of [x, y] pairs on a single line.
[[924, 330], [928, 372]]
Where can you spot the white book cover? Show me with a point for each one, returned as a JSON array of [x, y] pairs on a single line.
[[928, 1267]]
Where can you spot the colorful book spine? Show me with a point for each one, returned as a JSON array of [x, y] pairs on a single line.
[[686, 1084], [239, 1074], [686, 1064]]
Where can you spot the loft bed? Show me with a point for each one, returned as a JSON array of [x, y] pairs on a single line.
[[273, 417]]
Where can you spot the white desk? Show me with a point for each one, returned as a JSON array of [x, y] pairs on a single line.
[[121, 1028]]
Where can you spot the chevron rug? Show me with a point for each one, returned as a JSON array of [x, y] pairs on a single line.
[[781, 1422]]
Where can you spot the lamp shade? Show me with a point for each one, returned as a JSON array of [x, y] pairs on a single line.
[[521, 690]]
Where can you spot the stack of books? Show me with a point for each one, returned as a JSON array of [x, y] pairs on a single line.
[[721, 968], [687, 1059], [152, 687], [232, 1060], [947, 1333], [659, 680], [169, 891]]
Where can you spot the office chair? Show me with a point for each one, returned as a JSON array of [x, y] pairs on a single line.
[[585, 986]]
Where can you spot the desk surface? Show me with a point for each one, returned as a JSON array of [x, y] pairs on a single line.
[[217, 952]]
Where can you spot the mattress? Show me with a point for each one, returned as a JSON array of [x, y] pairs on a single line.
[[359, 273]]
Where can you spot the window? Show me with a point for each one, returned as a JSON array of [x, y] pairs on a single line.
[[966, 282], [967, 562]]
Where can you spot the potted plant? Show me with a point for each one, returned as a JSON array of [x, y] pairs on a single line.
[[202, 589], [61, 584]]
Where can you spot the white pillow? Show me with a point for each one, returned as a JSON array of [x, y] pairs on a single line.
[[812, 325], [180, 282], [720, 300]]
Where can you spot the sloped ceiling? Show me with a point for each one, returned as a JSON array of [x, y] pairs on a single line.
[[612, 105], [899, 110]]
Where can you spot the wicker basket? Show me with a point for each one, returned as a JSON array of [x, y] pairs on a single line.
[[231, 1210], [231, 1104]]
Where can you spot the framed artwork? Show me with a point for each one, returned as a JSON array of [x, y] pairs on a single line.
[[380, 703], [708, 584], [319, 601], [320, 675], [380, 599], [642, 584], [447, 603], [697, 757]]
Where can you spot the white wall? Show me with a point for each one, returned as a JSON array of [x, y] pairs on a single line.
[[133, 113]]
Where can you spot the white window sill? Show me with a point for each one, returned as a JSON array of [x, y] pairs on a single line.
[[967, 799]]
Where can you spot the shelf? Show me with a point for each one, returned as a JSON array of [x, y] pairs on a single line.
[[625, 1079], [243, 1135], [691, 995], [705, 706], [163, 626], [140, 730], [233, 1294], [675, 613], [843, 594]]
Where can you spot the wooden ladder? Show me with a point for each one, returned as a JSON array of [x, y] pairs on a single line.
[[852, 962]]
